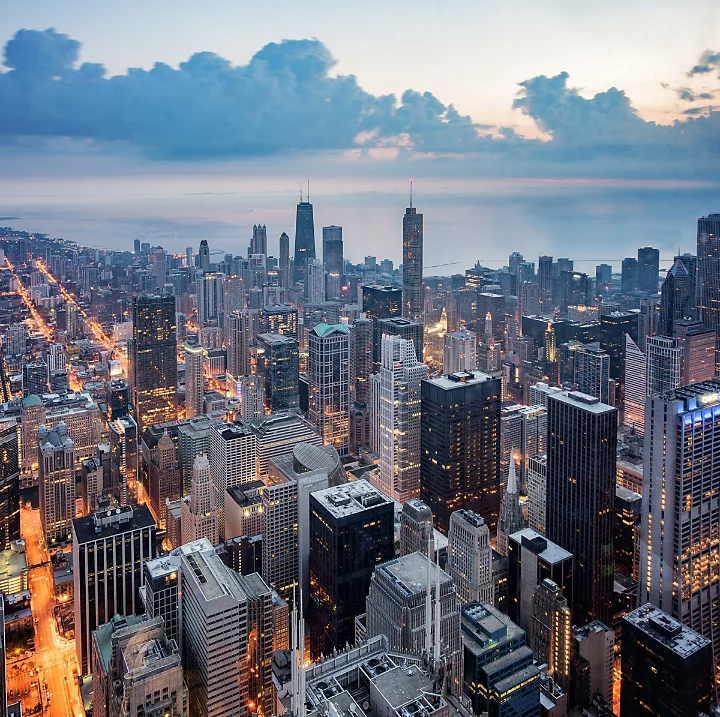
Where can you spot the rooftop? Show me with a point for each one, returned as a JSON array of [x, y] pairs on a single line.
[[459, 379], [323, 330], [484, 627], [351, 498], [662, 628], [105, 524], [695, 396], [583, 400], [546, 549], [410, 573]]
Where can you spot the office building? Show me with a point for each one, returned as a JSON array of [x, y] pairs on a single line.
[[397, 326], [603, 279], [681, 431], [459, 351], [550, 631], [284, 276], [194, 380], [382, 302], [416, 527], [351, 532], [648, 265], [333, 257], [629, 276], [244, 510], [628, 521], [470, 557], [56, 481], [511, 516], [531, 559], [416, 606], [523, 433], [233, 461], [304, 237], [588, 367], [678, 294], [666, 667], [593, 648], [136, 670], [9, 484], [396, 419], [537, 492], [119, 398], [209, 297], [361, 360], [613, 327], [708, 264], [258, 243], [413, 305], [199, 516], [152, 355], [34, 379], [500, 677], [250, 391], [16, 340], [635, 386], [314, 281], [279, 319], [237, 326], [459, 438], [110, 548], [160, 469], [664, 364], [581, 457], [698, 342], [203, 256], [329, 384], [278, 365]]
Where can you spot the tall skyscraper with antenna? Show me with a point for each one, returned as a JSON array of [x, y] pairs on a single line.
[[412, 263], [304, 235]]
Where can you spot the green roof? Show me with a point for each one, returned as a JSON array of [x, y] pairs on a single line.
[[32, 400], [325, 329]]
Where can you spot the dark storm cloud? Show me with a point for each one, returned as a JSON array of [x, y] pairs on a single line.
[[708, 62], [286, 100]]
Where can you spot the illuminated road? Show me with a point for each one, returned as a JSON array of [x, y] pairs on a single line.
[[41, 324], [54, 655]]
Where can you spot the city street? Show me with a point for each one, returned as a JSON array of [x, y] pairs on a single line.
[[55, 656]]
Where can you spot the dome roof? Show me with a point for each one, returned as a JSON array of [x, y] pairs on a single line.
[[32, 400]]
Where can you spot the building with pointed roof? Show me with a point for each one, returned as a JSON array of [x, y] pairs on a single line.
[[511, 517]]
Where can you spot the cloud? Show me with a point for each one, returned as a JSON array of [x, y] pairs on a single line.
[[708, 62], [286, 99]]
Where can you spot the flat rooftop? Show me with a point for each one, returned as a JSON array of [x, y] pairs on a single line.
[[460, 379], [410, 573], [351, 498], [112, 522], [581, 400]]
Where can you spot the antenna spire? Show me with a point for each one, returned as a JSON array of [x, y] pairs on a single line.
[[411, 194], [301, 192], [308, 180]]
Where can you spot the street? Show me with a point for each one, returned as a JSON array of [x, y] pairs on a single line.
[[54, 655]]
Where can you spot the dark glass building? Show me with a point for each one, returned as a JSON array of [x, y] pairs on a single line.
[[152, 354], [708, 264], [648, 269], [9, 484], [667, 668], [460, 446], [581, 455], [34, 379], [613, 328], [333, 250], [412, 264], [629, 276], [628, 520], [118, 399], [677, 296], [382, 302], [304, 238], [278, 364], [351, 532]]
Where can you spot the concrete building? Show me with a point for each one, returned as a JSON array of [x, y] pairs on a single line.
[[595, 645], [537, 492], [470, 557], [550, 631], [416, 526], [56, 482], [194, 380], [199, 516], [244, 510], [459, 351], [664, 364]]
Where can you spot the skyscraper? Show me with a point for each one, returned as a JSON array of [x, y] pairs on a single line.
[[416, 526], [629, 277], [648, 269], [459, 351], [396, 419], [34, 378], [304, 237], [152, 355], [708, 262], [677, 295], [333, 250], [278, 365], [397, 326], [9, 484], [284, 262], [194, 380], [635, 386], [199, 517], [413, 307], [381, 302], [329, 384], [679, 507], [459, 441], [511, 517], [698, 344], [56, 481], [351, 533], [258, 244], [314, 281], [581, 458], [203, 257], [209, 297], [664, 364], [110, 549], [470, 557], [238, 344]]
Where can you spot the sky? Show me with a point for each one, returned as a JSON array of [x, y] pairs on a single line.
[[603, 108]]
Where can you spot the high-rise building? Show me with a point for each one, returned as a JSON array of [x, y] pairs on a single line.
[[329, 384], [664, 364], [250, 391], [160, 469], [203, 256], [279, 319], [136, 670], [152, 354], [400, 593], [537, 492], [523, 433], [194, 380], [588, 367], [233, 461], [545, 281], [396, 419], [110, 549], [648, 269], [629, 276], [199, 516], [15, 343], [351, 532], [238, 343], [258, 244], [550, 630], [333, 250], [470, 557], [500, 677], [666, 667], [628, 522], [459, 440], [381, 302], [34, 378], [416, 527], [209, 297], [511, 516], [603, 279], [56, 481], [531, 559], [681, 431], [304, 237], [397, 326], [119, 398], [708, 264], [678, 295], [361, 360], [593, 647], [276, 435], [314, 281], [581, 457], [698, 342], [635, 386], [9, 484], [413, 264], [284, 263], [459, 351], [278, 365]]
